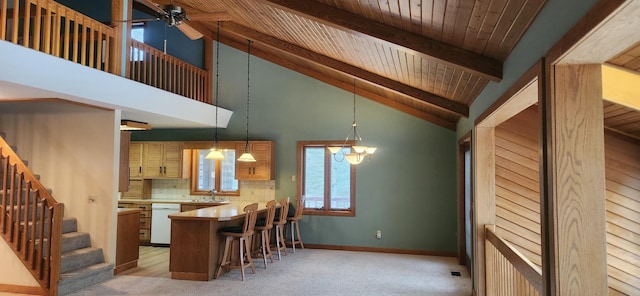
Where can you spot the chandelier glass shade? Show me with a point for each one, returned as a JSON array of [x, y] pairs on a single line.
[[247, 156], [358, 151], [215, 153]]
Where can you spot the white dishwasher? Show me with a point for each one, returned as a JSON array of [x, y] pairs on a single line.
[[160, 222]]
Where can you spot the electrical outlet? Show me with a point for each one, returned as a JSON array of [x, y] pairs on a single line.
[[379, 234]]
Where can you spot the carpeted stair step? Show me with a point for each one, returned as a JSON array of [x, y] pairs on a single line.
[[69, 225], [84, 277], [75, 240], [80, 258]]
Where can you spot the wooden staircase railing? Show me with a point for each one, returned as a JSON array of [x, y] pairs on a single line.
[[155, 68], [55, 29], [31, 220], [507, 271]]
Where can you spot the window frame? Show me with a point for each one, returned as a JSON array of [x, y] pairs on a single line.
[[195, 168], [351, 212]]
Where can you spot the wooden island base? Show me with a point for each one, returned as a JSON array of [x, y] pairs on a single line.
[[196, 248]]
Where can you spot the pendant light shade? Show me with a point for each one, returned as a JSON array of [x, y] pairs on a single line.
[[215, 153], [246, 156]]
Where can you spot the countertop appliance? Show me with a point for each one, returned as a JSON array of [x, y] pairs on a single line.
[[160, 222]]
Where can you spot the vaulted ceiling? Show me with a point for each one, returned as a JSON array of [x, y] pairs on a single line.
[[427, 58]]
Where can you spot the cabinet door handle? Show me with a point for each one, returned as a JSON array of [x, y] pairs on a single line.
[[140, 169], [165, 170], [161, 170]]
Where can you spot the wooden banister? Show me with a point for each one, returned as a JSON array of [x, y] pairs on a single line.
[[508, 272], [30, 220], [155, 68], [52, 28]]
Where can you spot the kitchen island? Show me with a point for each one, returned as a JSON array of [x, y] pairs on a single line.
[[195, 246]]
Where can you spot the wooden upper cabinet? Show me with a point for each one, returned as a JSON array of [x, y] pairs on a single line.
[[263, 168], [135, 161], [162, 160]]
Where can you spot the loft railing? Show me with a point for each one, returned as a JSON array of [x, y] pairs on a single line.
[[507, 271], [30, 220], [155, 68], [55, 29]]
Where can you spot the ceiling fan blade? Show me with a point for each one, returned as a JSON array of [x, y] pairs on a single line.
[[210, 16], [189, 31], [154, 6], [140, 20]]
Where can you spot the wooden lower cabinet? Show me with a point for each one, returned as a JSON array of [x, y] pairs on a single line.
[[127, 250], [144, 226]]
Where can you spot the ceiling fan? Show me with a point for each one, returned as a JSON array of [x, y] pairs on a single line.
[[176, 16]]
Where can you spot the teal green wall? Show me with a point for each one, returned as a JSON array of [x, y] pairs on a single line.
[[408, 189]]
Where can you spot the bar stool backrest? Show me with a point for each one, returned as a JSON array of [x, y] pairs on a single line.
[[299, 208], [271, 212], [284, 211], [251, 213]]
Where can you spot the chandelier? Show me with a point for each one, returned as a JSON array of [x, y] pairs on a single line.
[[358, 151]]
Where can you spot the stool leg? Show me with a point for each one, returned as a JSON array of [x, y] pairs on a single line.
[[282, 241], [242, 257], [278, 241], [298, 233], [249, 259], [264, 251], [225, 261], [267, 234], [293, 237]]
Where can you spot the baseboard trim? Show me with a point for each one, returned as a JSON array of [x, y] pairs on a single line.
[[21, 289], [381, 250]]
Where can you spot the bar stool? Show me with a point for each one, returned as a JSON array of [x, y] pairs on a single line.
[[264, 226], [243, 234], [280, 221], [295, 236]]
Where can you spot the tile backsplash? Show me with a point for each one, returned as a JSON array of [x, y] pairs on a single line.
[[178, 189]]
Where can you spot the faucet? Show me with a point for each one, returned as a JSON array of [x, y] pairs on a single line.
[[213, 194]]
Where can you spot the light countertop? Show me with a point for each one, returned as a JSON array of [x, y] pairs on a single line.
[[174, 201], [224, 212]]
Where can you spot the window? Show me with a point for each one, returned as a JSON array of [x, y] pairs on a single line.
[[328, 185], [210, 174], [137, 34]]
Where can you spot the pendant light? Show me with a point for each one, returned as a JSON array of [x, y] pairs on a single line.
[[246, 156], [358, 150], [215, 153]]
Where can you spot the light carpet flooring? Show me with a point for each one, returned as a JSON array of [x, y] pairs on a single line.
[[312, 272]]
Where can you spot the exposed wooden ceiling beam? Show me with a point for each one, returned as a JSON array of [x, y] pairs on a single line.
[[345, 85], [419, 45], [457, 108]]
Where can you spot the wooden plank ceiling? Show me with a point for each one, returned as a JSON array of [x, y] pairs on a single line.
[[428, 58]]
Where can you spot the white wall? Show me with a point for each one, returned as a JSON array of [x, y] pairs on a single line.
[[12, 270], [73, 149]]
